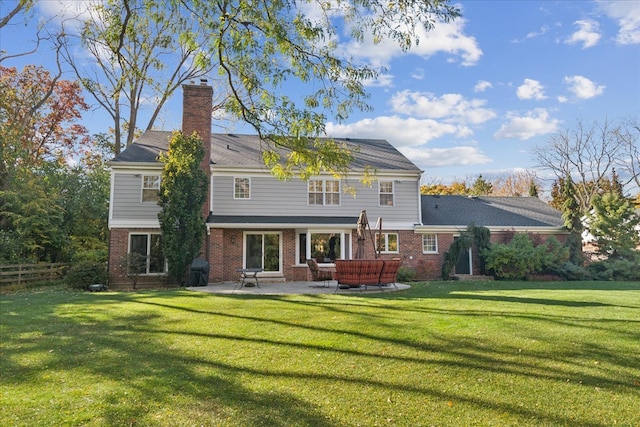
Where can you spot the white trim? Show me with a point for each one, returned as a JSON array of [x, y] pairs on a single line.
[[461, 228], [127, 223]]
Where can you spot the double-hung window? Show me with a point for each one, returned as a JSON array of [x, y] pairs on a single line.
[[430, 243], [386, 193], [242, 188], [145, 254], [150, 188], [387, 242], [324, 192]]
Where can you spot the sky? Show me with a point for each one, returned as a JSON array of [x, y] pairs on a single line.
[[479, 93]]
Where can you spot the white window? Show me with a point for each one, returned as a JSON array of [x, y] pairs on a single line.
[[150, 188], [430, 243], [324, 192], [242, 188], [386, 193], [387, 242], [145, 254], [323, 246]]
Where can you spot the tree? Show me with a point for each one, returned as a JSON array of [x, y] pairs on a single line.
[[614, 225], [587, 155], [182, 193], [629, 134], [39, 117], [258, 48], [481, 187], [455, 188], [517, 184], [141, 50]]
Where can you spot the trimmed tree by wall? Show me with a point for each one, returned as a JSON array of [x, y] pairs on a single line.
[[183, 186], [478, 236]]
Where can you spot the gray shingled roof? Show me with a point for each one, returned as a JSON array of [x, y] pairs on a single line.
[[281, 220], [488, 211], [245, 151]]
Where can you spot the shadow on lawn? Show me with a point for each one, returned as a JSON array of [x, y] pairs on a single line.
[[140, 349]]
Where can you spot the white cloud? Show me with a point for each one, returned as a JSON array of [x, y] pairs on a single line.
[[531, 89], [627, 15], [534, 123], [449, 107], [448, 38], [383, 80], [418, 74], [543, 30], [482, 85], [401, 132], [583, 88], [439, 157], [588, 34]]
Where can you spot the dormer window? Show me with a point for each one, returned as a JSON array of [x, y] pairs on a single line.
[[150, 188]]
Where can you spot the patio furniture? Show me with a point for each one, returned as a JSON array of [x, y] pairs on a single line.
[[319, 274], [389, 273], [249, 273], [357, 273]]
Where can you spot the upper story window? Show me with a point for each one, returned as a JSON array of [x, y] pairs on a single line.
[[242, 188], [324, 192], [430, 243], [386, 193], [150, 188], [387, 242]]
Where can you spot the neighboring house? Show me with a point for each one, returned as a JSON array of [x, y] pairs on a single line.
[[255, 220], [445, 217]]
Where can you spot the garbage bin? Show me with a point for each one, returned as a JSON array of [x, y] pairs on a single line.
[[199, 273]]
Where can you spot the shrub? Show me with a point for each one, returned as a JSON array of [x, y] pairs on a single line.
[[520, 257], [616, 268], [86, 273], [571, 271], [406, 274]]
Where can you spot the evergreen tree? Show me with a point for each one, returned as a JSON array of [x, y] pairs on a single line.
[[481, 187], [570, 209], [182, 193], [614, 224]]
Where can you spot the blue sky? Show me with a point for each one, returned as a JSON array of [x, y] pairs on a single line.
[[479, 93]]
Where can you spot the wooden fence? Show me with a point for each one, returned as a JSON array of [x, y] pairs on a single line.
[[30, 273]]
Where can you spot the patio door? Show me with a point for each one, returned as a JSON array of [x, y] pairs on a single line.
[[262, 250], [464, 262]]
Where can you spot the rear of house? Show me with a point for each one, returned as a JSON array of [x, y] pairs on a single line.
[[253, 219]]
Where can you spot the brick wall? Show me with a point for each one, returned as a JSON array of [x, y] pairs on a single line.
[[197, 103]]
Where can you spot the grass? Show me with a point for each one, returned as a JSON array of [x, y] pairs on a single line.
[[443, 354]]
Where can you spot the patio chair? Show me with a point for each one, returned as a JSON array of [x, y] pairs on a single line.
[[319, 274]]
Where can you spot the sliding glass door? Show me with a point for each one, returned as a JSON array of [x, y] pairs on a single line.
[[262, 250]]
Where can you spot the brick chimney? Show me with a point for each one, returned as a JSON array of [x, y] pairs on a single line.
[[197, 103]]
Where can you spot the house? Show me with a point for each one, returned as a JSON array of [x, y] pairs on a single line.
[[255, 220], [252, 218], [445, 217]]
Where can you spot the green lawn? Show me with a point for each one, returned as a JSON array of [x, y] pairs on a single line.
[[442, 354]]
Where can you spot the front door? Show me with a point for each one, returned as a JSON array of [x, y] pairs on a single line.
[[262, 250]]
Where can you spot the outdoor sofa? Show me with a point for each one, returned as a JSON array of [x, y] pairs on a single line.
[[356, 273]]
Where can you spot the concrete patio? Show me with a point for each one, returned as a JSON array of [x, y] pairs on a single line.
[[302, 288]]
